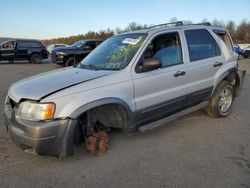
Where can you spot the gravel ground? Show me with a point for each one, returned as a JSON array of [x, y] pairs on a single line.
[[194, 151]]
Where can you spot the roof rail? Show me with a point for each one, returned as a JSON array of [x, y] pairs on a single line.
[[178, 23], [202, 23]]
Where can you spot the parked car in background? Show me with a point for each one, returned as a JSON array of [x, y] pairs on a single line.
[[239, 51], [246, 53], [22, 49], [71, 55], [53, 46]]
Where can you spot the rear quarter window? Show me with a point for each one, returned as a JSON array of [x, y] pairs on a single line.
[[225, 37], [201, 44]]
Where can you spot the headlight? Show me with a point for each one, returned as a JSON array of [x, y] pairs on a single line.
[[60, 53], [35, 111]]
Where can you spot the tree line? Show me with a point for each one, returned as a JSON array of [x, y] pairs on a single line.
[[240, 33]]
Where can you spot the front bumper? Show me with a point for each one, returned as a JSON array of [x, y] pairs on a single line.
[[57, 59], [46, 138]]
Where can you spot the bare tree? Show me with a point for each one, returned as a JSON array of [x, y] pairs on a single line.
[[185, 22], [231, 27], [240, 33], [218, 23], [173, 19], [243, 32]]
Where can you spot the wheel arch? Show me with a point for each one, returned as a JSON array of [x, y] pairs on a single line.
[[230, 75], [67, 57], [100, 102]]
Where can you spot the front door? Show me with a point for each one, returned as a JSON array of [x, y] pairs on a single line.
[[8, 50], [161, 92]]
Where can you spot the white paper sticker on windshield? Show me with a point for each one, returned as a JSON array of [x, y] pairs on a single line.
[[131, 41]]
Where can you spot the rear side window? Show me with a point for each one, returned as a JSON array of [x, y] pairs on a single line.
[[29, 44], [225, 37], [201, 44]]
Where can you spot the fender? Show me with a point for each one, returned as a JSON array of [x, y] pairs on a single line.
[[100, 102]]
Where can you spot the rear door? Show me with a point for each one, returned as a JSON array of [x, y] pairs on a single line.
[[204, 59], [22, 50], [161, 92]]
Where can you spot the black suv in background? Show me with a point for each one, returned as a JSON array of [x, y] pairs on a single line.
[[22, 49], [71, 55]]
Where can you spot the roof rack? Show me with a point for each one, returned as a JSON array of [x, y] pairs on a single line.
[[178, 23]]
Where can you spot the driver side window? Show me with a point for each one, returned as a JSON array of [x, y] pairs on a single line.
[[166, 48], [9, 45]]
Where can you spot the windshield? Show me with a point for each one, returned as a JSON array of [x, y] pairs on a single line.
[[78, 44], [115, 53]]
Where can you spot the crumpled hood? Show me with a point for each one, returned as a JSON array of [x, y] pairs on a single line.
[[41, 85]]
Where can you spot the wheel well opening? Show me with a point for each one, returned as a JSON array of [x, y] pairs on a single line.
[[234, 80], [105, 117]]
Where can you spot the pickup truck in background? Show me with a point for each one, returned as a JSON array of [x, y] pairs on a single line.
[[72, 55]]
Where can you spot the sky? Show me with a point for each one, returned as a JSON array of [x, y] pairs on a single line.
[[45, 19]]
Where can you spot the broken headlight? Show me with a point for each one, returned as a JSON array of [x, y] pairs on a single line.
[[36, 111]]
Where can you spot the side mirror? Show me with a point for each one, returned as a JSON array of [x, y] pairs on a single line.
[[150, 64]]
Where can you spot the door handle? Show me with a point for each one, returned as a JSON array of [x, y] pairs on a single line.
[[179, 73], [218, 64]]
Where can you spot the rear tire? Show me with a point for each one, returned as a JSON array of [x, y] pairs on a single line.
[[71, 61], [35, 59], [222, 100]]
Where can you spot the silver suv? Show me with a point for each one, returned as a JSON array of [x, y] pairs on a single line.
[[133, 81]]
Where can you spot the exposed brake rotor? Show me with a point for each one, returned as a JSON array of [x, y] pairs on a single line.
[[97, 143]]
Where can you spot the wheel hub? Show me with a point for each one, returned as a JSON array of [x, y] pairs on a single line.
[[225, 100]]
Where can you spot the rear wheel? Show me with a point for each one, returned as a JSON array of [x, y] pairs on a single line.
[[221, 103], [71, 62], [35, 58]]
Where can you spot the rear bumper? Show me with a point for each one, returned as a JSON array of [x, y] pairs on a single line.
[[241, 76], [46, 138]]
